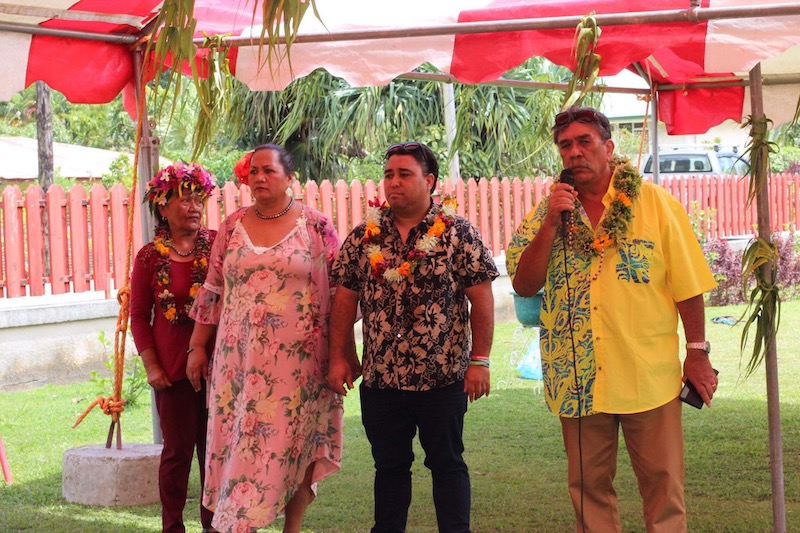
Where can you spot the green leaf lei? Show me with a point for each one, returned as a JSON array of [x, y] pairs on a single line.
[[627, 182]]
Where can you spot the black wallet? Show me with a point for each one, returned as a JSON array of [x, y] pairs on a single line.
[[690, 395]]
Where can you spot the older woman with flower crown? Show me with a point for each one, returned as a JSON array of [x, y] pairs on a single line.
[[275, 428], [167, 275]]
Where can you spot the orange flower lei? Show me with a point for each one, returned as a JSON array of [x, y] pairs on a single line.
[[166, 299], [372, 238]]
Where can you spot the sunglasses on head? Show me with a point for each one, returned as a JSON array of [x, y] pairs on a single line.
[[588, 116], [402, 148]]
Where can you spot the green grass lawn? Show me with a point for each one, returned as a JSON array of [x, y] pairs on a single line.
[[514, 451]]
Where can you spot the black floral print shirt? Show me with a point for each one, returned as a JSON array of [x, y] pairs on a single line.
[[416, 331]]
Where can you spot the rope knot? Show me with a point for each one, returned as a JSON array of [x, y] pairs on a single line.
[[124, 294], [108, 405]]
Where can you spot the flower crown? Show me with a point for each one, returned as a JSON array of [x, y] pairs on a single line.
[[242, 168], [179, 178]]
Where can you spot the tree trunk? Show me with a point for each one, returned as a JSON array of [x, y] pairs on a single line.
[[44, 134]]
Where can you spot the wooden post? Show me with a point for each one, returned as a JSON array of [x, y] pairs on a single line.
[[4, 464], [44, 137], [44, 134]]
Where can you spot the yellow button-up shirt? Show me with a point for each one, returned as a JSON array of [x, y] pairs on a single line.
[[622, 307]]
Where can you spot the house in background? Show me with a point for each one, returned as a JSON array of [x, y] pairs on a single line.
[[626, 111], [19, 162]]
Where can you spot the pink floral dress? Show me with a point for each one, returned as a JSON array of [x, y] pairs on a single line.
[[271, 413]]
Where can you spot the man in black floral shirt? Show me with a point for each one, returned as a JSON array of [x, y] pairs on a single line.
[[411, 267]]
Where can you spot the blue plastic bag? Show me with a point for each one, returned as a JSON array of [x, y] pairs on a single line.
[[531, 365]]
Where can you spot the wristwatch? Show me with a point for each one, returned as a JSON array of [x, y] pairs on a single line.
[[705, 346]]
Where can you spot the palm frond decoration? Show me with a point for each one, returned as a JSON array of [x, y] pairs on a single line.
[[587, 62], [757, 151], [760, 262], [286, 15], [213, 94], [175, 28]]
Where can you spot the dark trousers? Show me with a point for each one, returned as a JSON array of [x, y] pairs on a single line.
[[391, 419], [184, 418]]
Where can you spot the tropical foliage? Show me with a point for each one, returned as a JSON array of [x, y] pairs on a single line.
[[174, 46], [331, 128], [106, 126], [333, 131], [787, 159], [726, 265], [506, 132]]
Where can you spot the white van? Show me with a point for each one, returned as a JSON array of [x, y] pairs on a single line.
[[697, 160]]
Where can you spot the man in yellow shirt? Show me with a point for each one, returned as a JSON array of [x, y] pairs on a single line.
[[619, 263]]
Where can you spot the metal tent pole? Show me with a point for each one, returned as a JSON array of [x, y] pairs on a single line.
[[692, 15], [449, 96], [771, 356], [654, 135], [653, 91], [148, 162]]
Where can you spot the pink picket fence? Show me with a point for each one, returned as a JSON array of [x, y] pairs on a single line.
[[85, 235]]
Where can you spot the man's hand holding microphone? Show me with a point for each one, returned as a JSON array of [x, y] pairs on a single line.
[[562, 200]]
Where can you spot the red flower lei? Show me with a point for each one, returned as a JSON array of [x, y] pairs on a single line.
[[166, 299]]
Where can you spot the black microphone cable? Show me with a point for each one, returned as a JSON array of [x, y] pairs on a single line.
[[568, 177]]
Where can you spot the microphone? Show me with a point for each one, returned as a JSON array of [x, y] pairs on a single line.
[[568, 177]]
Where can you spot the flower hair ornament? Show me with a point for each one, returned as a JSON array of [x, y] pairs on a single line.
[[242, 168], [178, 179]]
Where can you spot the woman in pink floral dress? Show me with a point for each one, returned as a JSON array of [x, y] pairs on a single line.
[[275, 428]]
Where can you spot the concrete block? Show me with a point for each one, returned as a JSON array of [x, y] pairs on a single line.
[[96, 475], [54, 338]]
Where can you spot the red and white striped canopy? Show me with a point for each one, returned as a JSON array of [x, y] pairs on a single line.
[[92, 71]]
